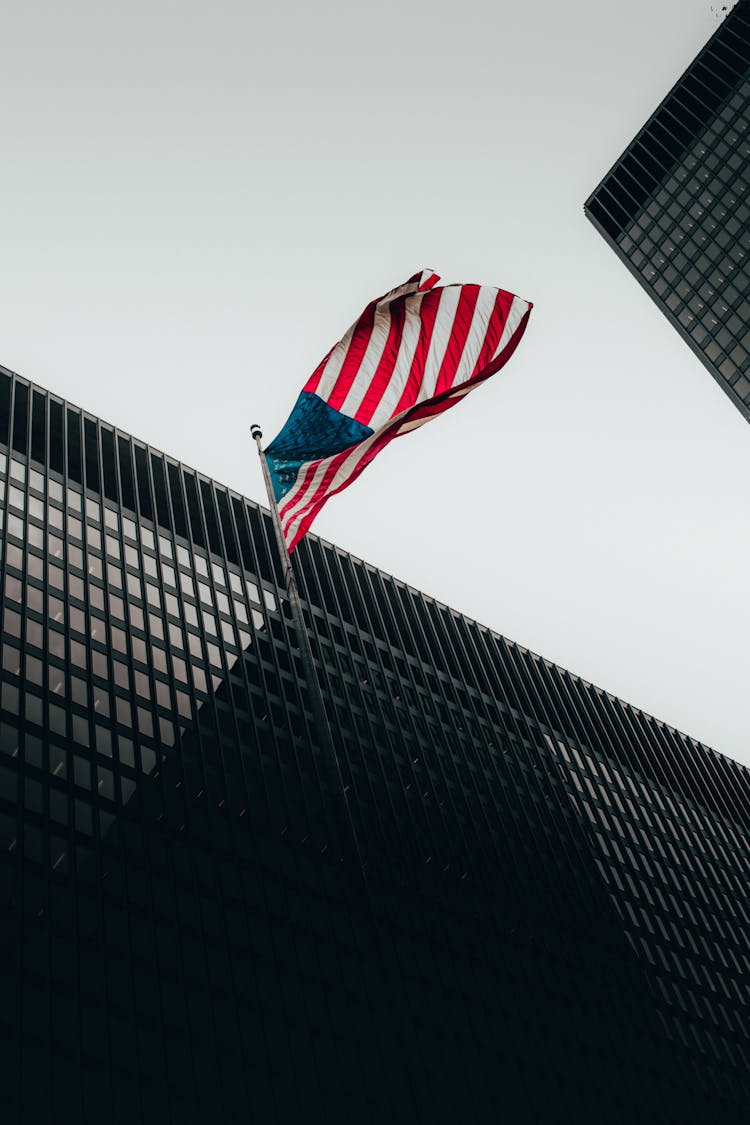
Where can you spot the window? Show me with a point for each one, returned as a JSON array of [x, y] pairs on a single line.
[[78, 620], [101, 701], [156, 626], [162, 695], [116, 607], [55, 608], [137, 620], [123, 712], [186, 584], [141, 685], [13, 589], [146, 727], [119, 639]]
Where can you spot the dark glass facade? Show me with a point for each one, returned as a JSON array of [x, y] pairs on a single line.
[[553, 922], [676, 206]]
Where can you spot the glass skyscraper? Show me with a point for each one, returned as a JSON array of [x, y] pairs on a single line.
[[551, 920], [676, 206]]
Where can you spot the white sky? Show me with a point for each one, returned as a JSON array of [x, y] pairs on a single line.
[[197, 199]]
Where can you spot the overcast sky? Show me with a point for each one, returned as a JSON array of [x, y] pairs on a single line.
[[197, 199]]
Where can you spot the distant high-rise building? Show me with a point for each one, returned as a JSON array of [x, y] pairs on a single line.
[[552, 925], [675, 207]]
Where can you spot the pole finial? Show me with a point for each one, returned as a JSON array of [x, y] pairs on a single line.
[[255, 431]]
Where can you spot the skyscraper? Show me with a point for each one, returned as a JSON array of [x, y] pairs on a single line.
[[675, 207], [551, 921]]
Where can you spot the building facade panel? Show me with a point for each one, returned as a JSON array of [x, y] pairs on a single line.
[[552, 922], [676, 206]]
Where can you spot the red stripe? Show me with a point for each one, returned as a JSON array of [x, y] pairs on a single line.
[[428, 282], [467, 302], [427, 315], [357, 348], [384, 371], [312, 383], [509, 348], [495, 327]]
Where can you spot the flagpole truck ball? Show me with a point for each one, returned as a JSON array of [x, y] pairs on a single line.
[[412, 354]]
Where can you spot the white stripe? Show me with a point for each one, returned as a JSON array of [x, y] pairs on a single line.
[[332, 369], [518, 309], [301, 488], [441, 335], [410, 336], [476, 336], [373, 353]]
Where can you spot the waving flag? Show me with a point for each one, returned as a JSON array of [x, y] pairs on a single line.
[[411, 355]]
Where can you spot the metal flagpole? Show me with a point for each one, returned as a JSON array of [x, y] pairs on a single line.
[[342, 813], [344, 822]]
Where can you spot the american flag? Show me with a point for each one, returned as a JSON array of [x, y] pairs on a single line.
[[412, 354]]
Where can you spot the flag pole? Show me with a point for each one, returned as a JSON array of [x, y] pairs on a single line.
[[344, 823]]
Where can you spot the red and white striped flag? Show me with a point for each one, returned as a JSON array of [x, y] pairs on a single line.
[[412, 354]]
